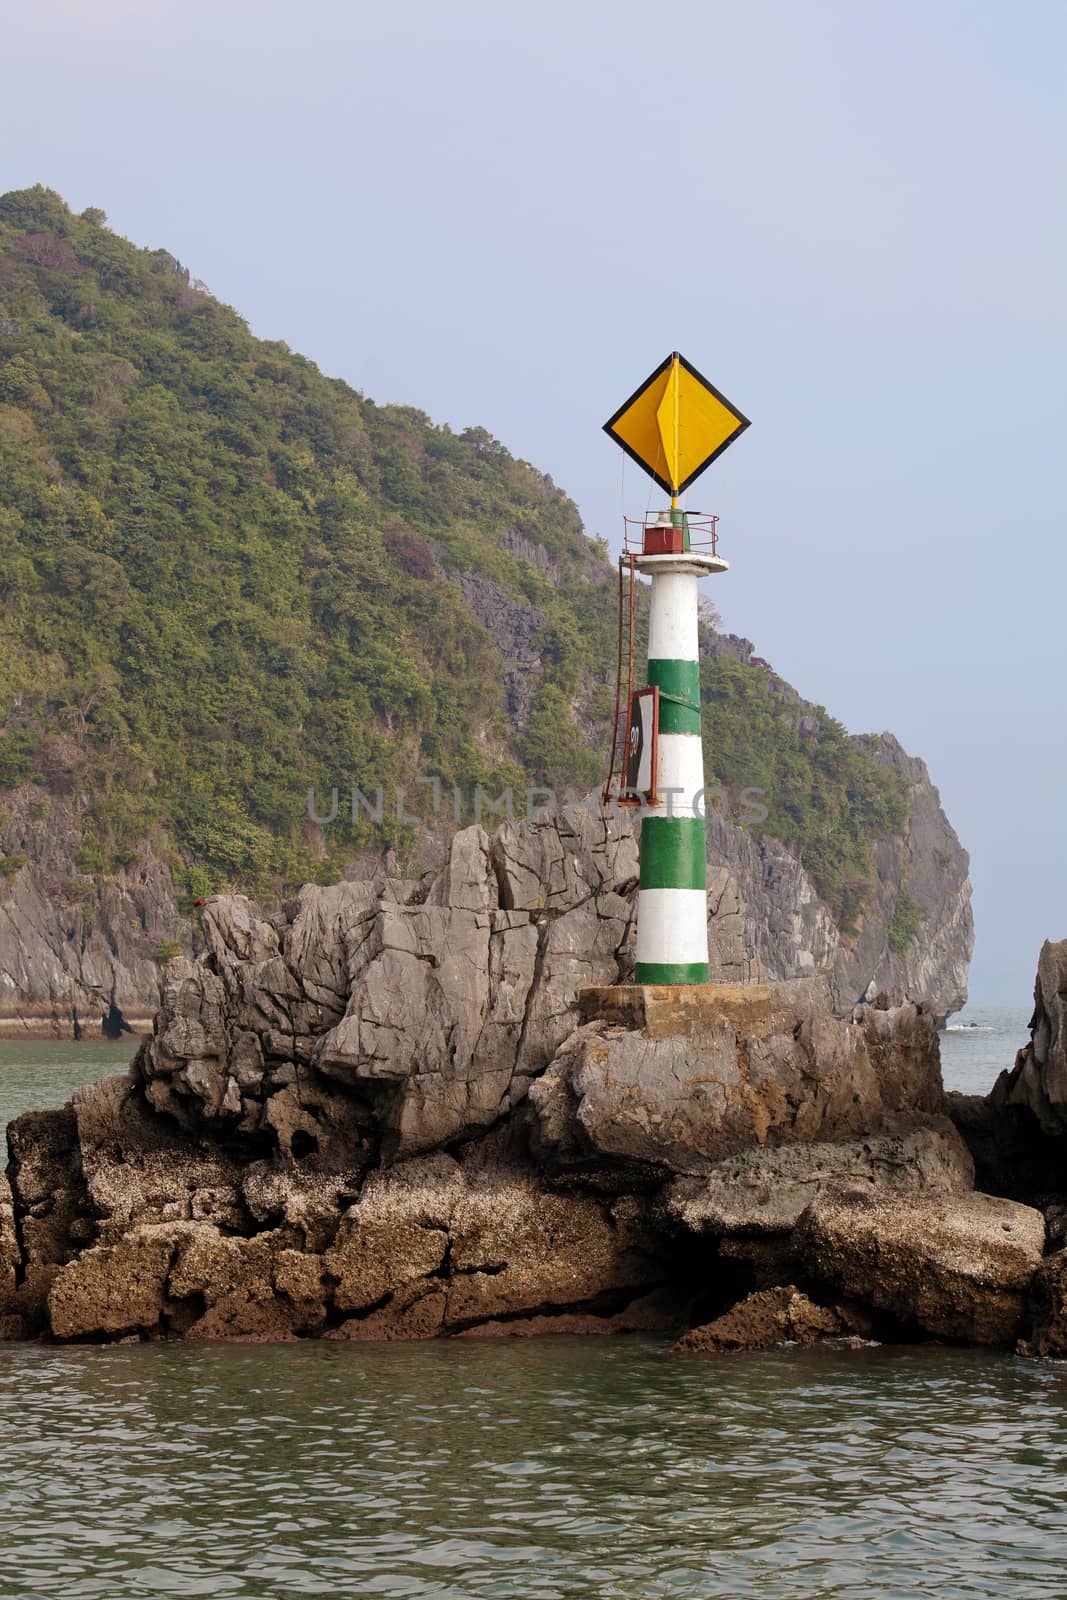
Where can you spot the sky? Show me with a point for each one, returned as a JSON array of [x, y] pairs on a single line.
[[850, 216]]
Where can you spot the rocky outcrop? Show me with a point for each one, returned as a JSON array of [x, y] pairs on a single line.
[[769, 1065], [1048, 1309], [125, 1224], [187, 1242], [775, 1316], [413, 1016], [429, 1009], [765, 1189], [960, 1267], [1038, 1081], [409, 1110]]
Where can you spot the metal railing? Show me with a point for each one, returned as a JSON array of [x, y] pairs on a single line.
[[702, 528]]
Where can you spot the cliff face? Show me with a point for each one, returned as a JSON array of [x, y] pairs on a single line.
[[914, 933], [73, 942], [927, 953], [767, 920]]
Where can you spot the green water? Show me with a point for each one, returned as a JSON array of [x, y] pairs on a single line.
[[42, 1072], [553, 1469], [546, 1470]]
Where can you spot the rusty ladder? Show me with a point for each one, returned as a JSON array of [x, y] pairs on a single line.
[[624, 665]]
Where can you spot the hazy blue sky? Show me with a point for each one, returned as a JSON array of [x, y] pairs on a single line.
[[848, 213]]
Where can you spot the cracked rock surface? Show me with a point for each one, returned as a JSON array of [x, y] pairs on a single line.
[[379, 1114]]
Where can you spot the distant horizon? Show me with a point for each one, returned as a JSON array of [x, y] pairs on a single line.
[[978, 1003]]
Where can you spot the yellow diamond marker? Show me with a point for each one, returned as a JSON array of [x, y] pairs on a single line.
[[676, 424]]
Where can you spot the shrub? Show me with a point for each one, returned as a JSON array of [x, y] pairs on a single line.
[[17, 750], [908, 917]]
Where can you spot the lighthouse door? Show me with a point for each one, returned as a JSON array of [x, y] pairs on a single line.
[[639, 773]]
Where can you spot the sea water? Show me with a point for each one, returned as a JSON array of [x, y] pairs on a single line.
[[39, 1073], [978, 1044], [548, 1469]]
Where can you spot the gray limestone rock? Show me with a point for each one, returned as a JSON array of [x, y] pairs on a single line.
[[464, 999], [69, 940], [790, 1073], [766, 1188], [563, 861], [1038, 1080]]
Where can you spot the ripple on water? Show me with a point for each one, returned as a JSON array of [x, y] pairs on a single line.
[[546, 1470]]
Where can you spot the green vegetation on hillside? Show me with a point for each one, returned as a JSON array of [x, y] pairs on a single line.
[[226, 578], [908, 917], [220, 570]]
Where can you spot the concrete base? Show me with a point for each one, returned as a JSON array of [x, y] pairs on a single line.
[[666, 1010]]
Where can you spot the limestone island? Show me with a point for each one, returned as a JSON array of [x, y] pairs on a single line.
[[408, 1109]]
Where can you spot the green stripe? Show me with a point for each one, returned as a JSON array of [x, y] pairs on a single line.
[[679, 519], [671, 972], [676, 677], [672, 852], [681, 678]]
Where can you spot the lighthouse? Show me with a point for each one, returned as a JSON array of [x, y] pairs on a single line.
[[673, 426]]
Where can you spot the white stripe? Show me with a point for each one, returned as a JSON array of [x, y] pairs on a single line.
[[672, 925], [681, 766], [672, 620]]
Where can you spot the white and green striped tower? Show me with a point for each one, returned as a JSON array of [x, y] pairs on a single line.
[[674, 426], [672, 908]]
